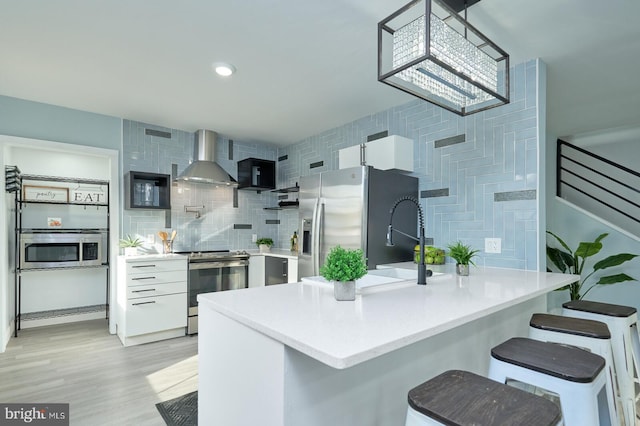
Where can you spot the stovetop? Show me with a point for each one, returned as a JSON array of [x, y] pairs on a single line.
[[195, 256]]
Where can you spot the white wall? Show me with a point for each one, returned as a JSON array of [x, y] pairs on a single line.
[[65, 160], [6, 284], [543, 167], [625, 153]]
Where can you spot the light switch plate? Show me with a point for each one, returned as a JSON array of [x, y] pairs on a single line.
[[492, 245]]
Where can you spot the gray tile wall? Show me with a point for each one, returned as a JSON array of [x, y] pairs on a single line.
[[498, 156], [215, 229]]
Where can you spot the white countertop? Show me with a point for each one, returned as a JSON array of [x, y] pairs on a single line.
[[275, 252], [154, 256], [306, 317]]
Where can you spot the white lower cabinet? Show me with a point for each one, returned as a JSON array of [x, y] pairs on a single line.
[[152, 298], [256, 271], [158, 313]]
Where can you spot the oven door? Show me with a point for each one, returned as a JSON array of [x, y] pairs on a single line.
[[207, 277]]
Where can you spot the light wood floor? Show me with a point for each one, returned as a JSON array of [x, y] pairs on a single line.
[[104, 382]]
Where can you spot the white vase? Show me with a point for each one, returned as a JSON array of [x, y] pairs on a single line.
[[264, 248], [344, 290], [130, 251]]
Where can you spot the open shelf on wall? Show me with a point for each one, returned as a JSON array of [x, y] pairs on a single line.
[[295, 188], [284, 202], [285, 207]]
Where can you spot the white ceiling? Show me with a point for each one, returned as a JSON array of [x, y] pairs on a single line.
[[303, 66]]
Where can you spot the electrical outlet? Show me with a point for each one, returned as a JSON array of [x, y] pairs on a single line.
[[492, 245], [151, 238], [254, 238]]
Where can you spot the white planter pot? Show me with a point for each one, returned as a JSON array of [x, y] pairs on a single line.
[[131, 251], [264, 248], [344, 290]]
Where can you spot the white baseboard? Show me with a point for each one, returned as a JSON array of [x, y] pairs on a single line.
[[8, 332], [152, 337]]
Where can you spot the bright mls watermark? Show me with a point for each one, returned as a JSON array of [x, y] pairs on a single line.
[[34, 414]]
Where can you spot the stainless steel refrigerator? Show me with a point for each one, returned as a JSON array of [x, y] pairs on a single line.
[[351, 208]]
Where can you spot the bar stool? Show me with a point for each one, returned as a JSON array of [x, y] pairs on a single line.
[[583, 333], [460, 398], [575, 375], [622, 322]]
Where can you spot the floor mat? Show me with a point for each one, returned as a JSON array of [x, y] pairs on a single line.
[[180, 411]]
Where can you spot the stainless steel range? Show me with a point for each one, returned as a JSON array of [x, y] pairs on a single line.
[[211, 271]]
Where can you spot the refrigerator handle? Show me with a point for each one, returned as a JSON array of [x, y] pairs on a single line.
[[319, 233], [315, 257]]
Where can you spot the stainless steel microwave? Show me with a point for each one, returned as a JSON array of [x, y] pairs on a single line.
[[61, 250]]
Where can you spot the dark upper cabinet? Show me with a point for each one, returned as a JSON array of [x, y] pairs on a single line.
[[148, 191], [254, 173]]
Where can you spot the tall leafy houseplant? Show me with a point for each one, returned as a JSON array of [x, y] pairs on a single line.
[[573, 262]]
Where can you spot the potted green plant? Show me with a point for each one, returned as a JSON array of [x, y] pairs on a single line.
[[130, 245], [343, 267], [573, 262], [462, 254], [264, 244]]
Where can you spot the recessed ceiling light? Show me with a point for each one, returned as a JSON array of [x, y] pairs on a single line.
[[224, 69]]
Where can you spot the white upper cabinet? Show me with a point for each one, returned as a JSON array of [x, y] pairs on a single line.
[[388, 153]]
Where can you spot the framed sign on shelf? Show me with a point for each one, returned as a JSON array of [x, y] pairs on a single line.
[[45, 193]]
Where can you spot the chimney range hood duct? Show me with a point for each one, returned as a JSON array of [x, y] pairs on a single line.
[[204, 168]]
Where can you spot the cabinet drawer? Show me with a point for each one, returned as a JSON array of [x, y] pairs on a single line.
[[152, 266], [149, 290], [151, 314], [156, 277]]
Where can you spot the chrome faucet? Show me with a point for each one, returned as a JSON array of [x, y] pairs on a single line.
[[422, 269]]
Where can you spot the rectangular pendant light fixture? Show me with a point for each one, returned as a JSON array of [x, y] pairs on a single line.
[[428, 50]]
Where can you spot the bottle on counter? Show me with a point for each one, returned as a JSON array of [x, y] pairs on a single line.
[[294, 241]]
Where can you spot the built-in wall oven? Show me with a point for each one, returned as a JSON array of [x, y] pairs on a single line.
[[214, 271]]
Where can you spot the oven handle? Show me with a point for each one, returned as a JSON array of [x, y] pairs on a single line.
[[214, 265]]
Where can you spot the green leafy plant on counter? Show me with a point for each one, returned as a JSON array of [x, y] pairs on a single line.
[[129, 241], [344, 265], [573, 262], [264, 241], [462, 253]]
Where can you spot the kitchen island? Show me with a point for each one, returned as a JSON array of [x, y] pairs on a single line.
[[292, 355]]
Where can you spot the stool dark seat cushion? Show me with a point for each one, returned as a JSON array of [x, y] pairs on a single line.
[[461, 398], [565, 362], [570, 325], [600, 308]]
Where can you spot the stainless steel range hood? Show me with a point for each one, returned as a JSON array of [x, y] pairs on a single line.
[[204, 168]]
